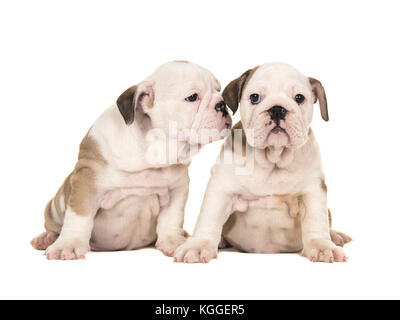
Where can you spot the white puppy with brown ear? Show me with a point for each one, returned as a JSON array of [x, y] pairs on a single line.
[[130, 184], [273, 167]]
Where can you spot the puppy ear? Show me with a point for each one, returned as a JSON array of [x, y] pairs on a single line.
[[126, 104], [133, 102], [233, 91], [320, 95]]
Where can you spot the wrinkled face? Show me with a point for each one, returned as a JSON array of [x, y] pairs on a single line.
[[180, 98], [276, 106], [189, 95]]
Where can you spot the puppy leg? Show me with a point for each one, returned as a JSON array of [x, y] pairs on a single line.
[[73, 241], [317, 243], [53, 217], [170, 233], [203, 245]]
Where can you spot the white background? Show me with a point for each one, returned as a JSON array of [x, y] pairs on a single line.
[[63, 62]]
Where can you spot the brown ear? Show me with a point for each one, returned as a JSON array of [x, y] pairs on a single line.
[[233, 91], [126, 104], [131, 102], [319, 93]]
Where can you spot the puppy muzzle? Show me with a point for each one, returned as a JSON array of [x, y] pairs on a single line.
[[212, 122]]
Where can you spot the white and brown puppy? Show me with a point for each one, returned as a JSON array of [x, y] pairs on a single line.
[[255, 206], [130, 184]]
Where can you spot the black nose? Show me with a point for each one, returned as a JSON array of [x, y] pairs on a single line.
[[277, 113], [220, 107]]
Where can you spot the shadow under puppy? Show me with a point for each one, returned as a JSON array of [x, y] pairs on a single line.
[[268, 192], [130, 184]]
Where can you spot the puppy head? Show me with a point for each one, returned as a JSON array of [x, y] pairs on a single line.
[[276, 104], [178, 91]]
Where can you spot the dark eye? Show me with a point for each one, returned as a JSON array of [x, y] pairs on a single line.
[[192, 98], [299, 98], [255, 98]]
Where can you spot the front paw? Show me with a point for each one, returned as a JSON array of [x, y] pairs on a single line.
[[196, 250], [322, 250], [168, 244], [67, 249]]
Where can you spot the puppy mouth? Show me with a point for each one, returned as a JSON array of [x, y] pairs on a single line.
[[278, 129], [276, 132]]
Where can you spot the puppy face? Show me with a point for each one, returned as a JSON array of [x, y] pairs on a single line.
[[276, 105], [179, 92]]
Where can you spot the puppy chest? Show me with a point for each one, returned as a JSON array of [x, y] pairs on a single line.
[[112, 179], [270, 182], [157, 177], [118, 185]]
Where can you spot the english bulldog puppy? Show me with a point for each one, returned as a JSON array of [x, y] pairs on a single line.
[[130, 185], [267, 194]]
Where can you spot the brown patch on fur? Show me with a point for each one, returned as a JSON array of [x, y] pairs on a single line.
[[79, 188], [186, 234], [330, 218], [83, 179], [233, 91], [293, 203], [323, 186]]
